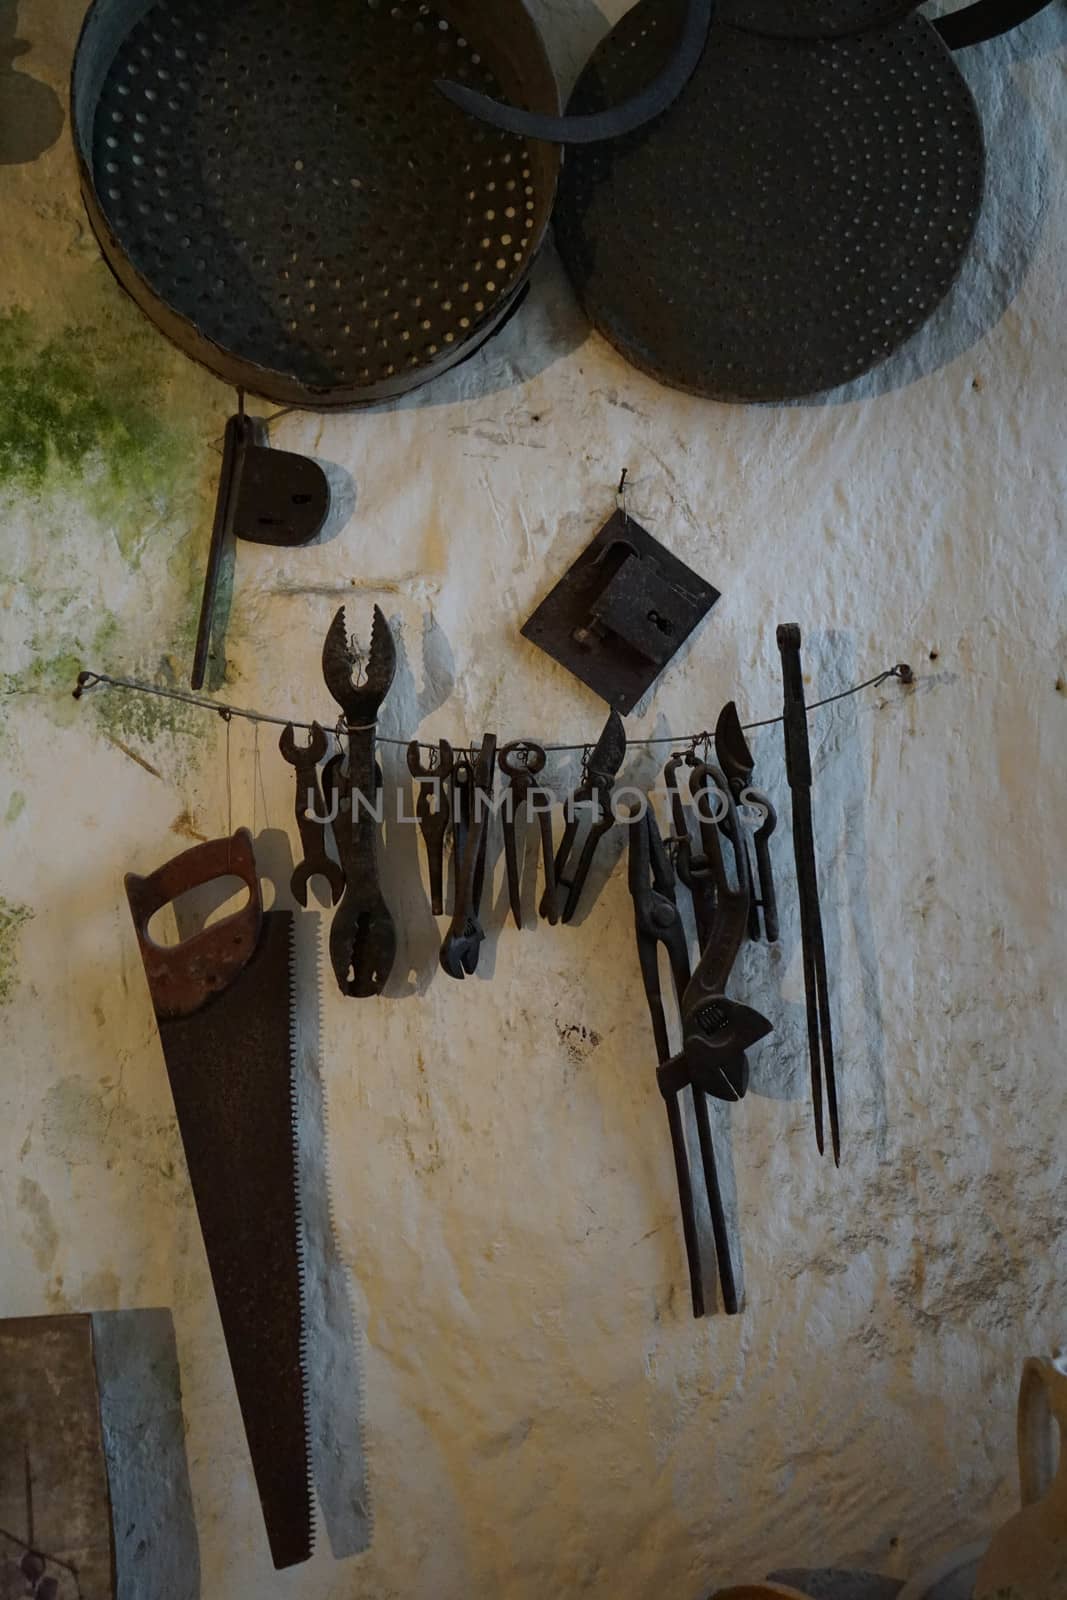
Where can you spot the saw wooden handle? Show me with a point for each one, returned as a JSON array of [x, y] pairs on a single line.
[[184, 977]]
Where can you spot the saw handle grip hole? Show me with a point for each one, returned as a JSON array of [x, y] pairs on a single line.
[[196, 909]]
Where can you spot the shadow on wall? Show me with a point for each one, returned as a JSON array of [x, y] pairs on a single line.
[[31, 117]]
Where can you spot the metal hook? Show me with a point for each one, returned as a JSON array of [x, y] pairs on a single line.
[[620, 495]]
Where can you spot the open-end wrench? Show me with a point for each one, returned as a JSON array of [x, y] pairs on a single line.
[[522, 761], [309, 813]]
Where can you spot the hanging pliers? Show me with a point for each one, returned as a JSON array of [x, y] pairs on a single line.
[[363, 935], [657, 922], [598, 778], [522, 761], [463, 941], [738, 764], [433, 810]]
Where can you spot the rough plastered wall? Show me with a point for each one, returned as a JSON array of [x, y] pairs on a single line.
[[500, 1312]]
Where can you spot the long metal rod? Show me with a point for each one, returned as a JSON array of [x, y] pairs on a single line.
[[221, 535], [685, 1198], [816, 985], [715, 1205]]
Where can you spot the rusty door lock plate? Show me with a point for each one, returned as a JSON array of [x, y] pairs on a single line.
[[621, 613]]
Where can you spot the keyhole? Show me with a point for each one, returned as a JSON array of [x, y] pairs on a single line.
[[664, 624]]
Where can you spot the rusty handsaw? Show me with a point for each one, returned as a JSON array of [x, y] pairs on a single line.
[[223, 1002]]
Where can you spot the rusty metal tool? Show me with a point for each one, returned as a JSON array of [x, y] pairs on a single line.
[[738, 764], [224, 1008], [595, 791], [717, 1030], [657, 922], [462, 811], [522, 761], [317, 863], [433, 810], [484, 770], [690, 866], [265, 496], [642, 106], [761, 839], [363, 934], [816, 986], [730, 827], [621, 612], [463, 941]]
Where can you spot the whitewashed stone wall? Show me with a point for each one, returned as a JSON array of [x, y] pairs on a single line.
[[501, 1311]]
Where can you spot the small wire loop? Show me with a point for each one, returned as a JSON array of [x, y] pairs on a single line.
[[86, 680]]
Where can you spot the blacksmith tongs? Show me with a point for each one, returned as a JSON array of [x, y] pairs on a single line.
[[657, 921], [816, 987], [736, 760]]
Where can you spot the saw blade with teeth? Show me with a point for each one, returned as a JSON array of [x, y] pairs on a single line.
[[336, 1401], [224, 1004]]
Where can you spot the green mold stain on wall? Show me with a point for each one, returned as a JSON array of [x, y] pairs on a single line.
[[118, 713], [12, 918], [105, 433], [87, 405], [15, 807]]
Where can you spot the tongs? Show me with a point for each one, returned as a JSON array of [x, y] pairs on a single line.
[[816, 988]]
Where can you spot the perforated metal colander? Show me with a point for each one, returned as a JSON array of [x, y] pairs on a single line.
[[801, 210], [283, 190]]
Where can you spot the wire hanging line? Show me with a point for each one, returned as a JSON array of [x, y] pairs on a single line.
[[88, 681]]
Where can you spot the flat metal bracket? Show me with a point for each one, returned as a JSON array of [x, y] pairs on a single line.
[[621, 613], [265, 497]]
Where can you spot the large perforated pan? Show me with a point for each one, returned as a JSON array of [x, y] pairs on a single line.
[[281, 188]]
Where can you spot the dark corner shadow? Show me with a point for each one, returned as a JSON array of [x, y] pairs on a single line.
[[334, 1340], [157, 1553], [1009, 226], [780, 1068], [31, 114]]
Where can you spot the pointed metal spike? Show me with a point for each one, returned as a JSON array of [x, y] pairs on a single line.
[[732, 747], [381, 664], [610, 749]]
